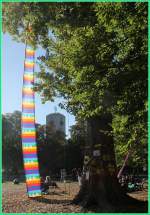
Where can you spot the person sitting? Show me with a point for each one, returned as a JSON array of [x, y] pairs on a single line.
[[49, 182], [16, 181], [79, 175], [44, 186]]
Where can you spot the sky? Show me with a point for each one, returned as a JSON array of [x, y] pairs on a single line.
[[12, 79]]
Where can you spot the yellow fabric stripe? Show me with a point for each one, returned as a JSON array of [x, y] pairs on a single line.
[[26, 133]]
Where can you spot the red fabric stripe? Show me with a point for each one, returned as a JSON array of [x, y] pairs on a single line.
[[27, 122], [31, 168], [29, 152], [33, 184], [28, 135]]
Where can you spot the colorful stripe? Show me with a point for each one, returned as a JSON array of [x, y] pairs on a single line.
[[28, 134], [28, 130], [29, 65], [30, 152], [28, 78], [30, 52], [25, 110], [29, 145]]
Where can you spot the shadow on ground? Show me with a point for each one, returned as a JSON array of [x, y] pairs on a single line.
[[135, 207], [51, 201]]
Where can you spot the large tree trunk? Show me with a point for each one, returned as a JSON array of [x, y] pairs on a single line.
[[101, 187]]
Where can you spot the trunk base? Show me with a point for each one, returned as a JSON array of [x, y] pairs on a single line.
[[108, 201], [130, 205]]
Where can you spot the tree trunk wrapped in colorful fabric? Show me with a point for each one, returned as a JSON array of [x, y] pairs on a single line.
[[31, 165]]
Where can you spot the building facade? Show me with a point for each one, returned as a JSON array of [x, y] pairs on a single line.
[[57, 122]]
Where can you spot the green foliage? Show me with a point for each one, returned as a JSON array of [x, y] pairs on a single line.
[[11, 139], [54, 151], [11, 124], [130, 137], [97, 53]]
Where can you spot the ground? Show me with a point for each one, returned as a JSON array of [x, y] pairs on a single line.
[[15, 199]]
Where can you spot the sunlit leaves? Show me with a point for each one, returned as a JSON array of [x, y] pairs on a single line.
[[98, 55]]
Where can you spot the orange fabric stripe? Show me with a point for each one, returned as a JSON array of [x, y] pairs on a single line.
[[29, 65], [31, 181], [28, 91], [28, 78], [28, 117], [28, 135], [27, 120], [30, 53], [28, 105], [30, 166]]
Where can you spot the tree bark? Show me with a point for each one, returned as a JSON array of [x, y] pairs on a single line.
[[102, 187]]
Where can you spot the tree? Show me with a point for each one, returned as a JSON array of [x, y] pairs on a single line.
[[132, 139], [50, 149], [98, 54], [78, 132], [11, 148]]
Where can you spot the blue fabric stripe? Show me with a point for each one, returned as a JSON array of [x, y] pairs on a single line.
[[30, 155], [29, 73], [28, 130], [27, 97], [27, 87], [28, 114], [28, 126], [28, 140], [32, 172], [34, 192], [30, 58], [32, 176], [28, 83], [34, 188], [29, 160], [28, 70], [29, 144], [25, 110]]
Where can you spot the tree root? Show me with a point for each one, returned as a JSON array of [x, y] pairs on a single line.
[[88, 201]]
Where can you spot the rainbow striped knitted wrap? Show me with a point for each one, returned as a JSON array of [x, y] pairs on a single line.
[[29, 146]]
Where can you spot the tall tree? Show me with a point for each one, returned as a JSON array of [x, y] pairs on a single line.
[[98, 55]]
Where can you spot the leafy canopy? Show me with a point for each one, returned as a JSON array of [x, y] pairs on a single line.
[[96, 58]]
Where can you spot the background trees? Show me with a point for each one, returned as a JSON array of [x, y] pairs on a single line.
[[11, 148], [55, 152]]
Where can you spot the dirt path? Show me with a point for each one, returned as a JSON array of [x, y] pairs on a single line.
[[15, 199]]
